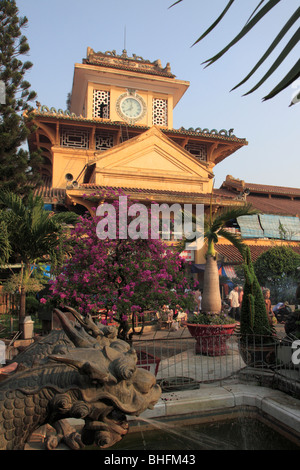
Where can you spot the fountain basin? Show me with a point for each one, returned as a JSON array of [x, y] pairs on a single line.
[[210, 404]]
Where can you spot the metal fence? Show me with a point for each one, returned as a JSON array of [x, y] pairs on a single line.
[[180, 361]]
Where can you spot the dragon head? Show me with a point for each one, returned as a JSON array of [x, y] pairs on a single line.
[[111, 384]]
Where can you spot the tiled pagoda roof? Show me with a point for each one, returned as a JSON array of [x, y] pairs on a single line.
[[268, 199], [232, 255], [205, 133]]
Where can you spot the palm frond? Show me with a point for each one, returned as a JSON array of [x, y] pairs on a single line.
[[223, 216], [5, 248], [9, 200], [215, 23], [273, 45], [178, 1], [290, 45], [245, 30], [261, 10], [233, 238], [255, 9], [34, 234], [290, 78], [68, 218]]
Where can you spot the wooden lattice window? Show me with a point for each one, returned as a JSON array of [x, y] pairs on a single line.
[[104, 141], [160, 112], [198, 150], [101, 101], [75, 138]]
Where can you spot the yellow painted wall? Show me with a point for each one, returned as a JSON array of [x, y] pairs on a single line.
[[115, 92], [67, 160]]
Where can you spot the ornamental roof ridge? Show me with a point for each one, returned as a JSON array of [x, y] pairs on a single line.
[[223, 134], [123, 61]]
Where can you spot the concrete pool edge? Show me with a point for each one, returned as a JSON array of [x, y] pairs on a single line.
[[274, 405]]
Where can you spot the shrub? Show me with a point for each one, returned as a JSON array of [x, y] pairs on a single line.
[[254, 319]]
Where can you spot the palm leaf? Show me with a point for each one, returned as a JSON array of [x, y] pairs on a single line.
[[260, 3], [291, 44], [34, 234], [276, 41], [5, 248], [178, 1], [234, 239], [290, 77], [225, 215], [12, 201], [257, 15], [245, 30], [215, 23]]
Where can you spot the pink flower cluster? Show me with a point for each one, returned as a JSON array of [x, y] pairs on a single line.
[[124, 276]]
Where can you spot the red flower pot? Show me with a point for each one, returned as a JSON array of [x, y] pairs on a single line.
[[211, 339]]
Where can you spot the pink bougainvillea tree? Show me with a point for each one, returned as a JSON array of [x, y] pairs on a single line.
[[125, 276]]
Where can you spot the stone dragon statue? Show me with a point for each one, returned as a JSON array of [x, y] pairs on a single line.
[[82, 371]]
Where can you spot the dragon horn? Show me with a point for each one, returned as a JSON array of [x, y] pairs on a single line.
[[75, 314], [71, 332], [87, 323]]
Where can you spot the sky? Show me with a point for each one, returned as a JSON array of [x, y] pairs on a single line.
[[59, 32]]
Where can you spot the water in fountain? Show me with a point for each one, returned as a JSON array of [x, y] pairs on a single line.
[[197, 440], [244, 433]]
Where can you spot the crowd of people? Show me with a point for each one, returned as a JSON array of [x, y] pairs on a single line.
[[176, 316]]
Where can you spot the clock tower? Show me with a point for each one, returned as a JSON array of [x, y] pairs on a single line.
[[127, 89]]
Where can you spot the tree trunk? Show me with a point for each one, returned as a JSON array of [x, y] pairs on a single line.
[[24, 274], [22, 313], [211, 299]]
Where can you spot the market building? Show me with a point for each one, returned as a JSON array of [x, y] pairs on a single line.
[[118, 132]]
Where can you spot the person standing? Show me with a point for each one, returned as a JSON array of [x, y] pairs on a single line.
[[271, 317], [234, 303]]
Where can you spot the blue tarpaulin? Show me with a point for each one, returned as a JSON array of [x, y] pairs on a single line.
[[250, 226], [269, 226]]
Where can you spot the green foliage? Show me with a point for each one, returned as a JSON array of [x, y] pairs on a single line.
[[13, 283], [254, 319], [215, 226], [33, 236], [17, 166], [276, 263], [212, 319], [276, 269], [5, 249], [32, 305]]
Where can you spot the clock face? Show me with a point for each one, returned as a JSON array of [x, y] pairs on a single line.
[[131, 107]]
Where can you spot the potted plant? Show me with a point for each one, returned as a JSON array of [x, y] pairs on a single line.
[[212, 322], [211, 332], [257, 339]]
